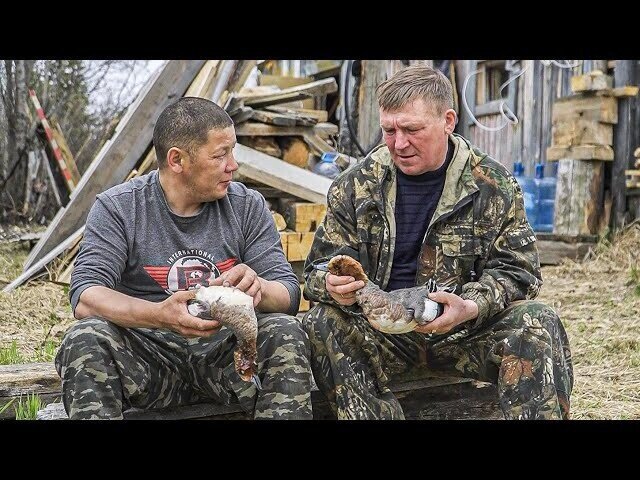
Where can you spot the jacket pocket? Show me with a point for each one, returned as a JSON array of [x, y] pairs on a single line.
[[463, 254]]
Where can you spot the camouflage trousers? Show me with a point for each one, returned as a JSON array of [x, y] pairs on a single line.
[[106, 369], [524, 350]]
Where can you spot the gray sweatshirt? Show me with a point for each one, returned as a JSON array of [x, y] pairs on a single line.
[[134, 244]]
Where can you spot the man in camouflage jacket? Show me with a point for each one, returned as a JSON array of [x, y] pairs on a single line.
[[478, 241]]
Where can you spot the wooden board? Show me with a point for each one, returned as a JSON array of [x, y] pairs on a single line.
[[599, 108], [581, 152], [278, 174], [30, 378], [296, 245], [119, 154], [593, 81], [40, 264], [299, 92], [553, 252], [581, 131], [279, 221], [286, 81], [422, 397], [252, 129], [302, 216], [317, 115]]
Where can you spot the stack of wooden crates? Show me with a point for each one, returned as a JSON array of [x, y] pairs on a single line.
[[297, 222], [582, 140]]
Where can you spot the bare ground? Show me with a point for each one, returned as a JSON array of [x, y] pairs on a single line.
[[598, 301]]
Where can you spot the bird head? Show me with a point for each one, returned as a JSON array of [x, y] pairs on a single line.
[[344, 265]]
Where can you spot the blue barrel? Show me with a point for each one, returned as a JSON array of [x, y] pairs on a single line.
[[529, 190], [546, 199]]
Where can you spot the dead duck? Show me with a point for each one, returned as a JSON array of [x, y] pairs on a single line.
[[396, 312], [234, 309]]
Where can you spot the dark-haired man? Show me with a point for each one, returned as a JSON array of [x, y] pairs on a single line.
[[147, 243]]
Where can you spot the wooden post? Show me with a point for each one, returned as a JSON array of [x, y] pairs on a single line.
[[625, 141], [579, 191], [373, 73]]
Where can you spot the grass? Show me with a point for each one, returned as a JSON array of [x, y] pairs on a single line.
[[27, 409], [34, 316], [10, 355], [6, 405], [599, 305]]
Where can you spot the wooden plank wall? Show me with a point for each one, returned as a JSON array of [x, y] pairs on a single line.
[[497, 144], [537, 91]]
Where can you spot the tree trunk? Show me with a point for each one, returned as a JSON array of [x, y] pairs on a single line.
[[16, 96]]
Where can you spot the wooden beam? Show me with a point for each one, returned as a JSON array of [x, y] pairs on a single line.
[[421, 396], [374, 72], [202, 85], [581, 152], [281, 175], [120, 154], [626, 91], [317, 144], [625, 141], [600, 108], [273, 118], [302, 216], [581, 131], [318, 115], [253, 129], [299, 92], [552, 252], [592, 81], [38, 266]]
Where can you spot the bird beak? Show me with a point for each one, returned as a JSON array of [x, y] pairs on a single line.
[[323, 267]]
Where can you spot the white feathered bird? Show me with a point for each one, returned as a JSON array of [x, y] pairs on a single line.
[[234, 309]]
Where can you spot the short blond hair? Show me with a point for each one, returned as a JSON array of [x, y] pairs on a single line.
[[416, 81]]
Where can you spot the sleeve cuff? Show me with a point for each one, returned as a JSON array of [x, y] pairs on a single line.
[[75, 295], [480, 300], [294, 297]]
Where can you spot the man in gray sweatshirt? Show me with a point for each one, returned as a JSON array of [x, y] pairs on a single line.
[[148, 242]]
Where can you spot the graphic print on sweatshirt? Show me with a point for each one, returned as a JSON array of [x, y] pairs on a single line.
[[188, 268]]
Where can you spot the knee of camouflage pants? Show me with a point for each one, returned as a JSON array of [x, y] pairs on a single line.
[[283, 353], [347, 361], [536, 371], [91, 386]]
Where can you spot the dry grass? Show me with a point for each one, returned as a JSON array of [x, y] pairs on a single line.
[[598, 301], [35, 315]]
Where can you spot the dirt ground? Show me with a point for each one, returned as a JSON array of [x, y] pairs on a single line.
[[598, 301]]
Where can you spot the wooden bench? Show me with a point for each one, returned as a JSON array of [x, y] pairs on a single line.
[[421, 398]]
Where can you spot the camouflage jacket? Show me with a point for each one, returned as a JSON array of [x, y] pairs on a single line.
[[479, 226]]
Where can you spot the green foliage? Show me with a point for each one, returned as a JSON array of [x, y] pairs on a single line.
[[6, 405], [10, 355], [47, 352], [27, 409]]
